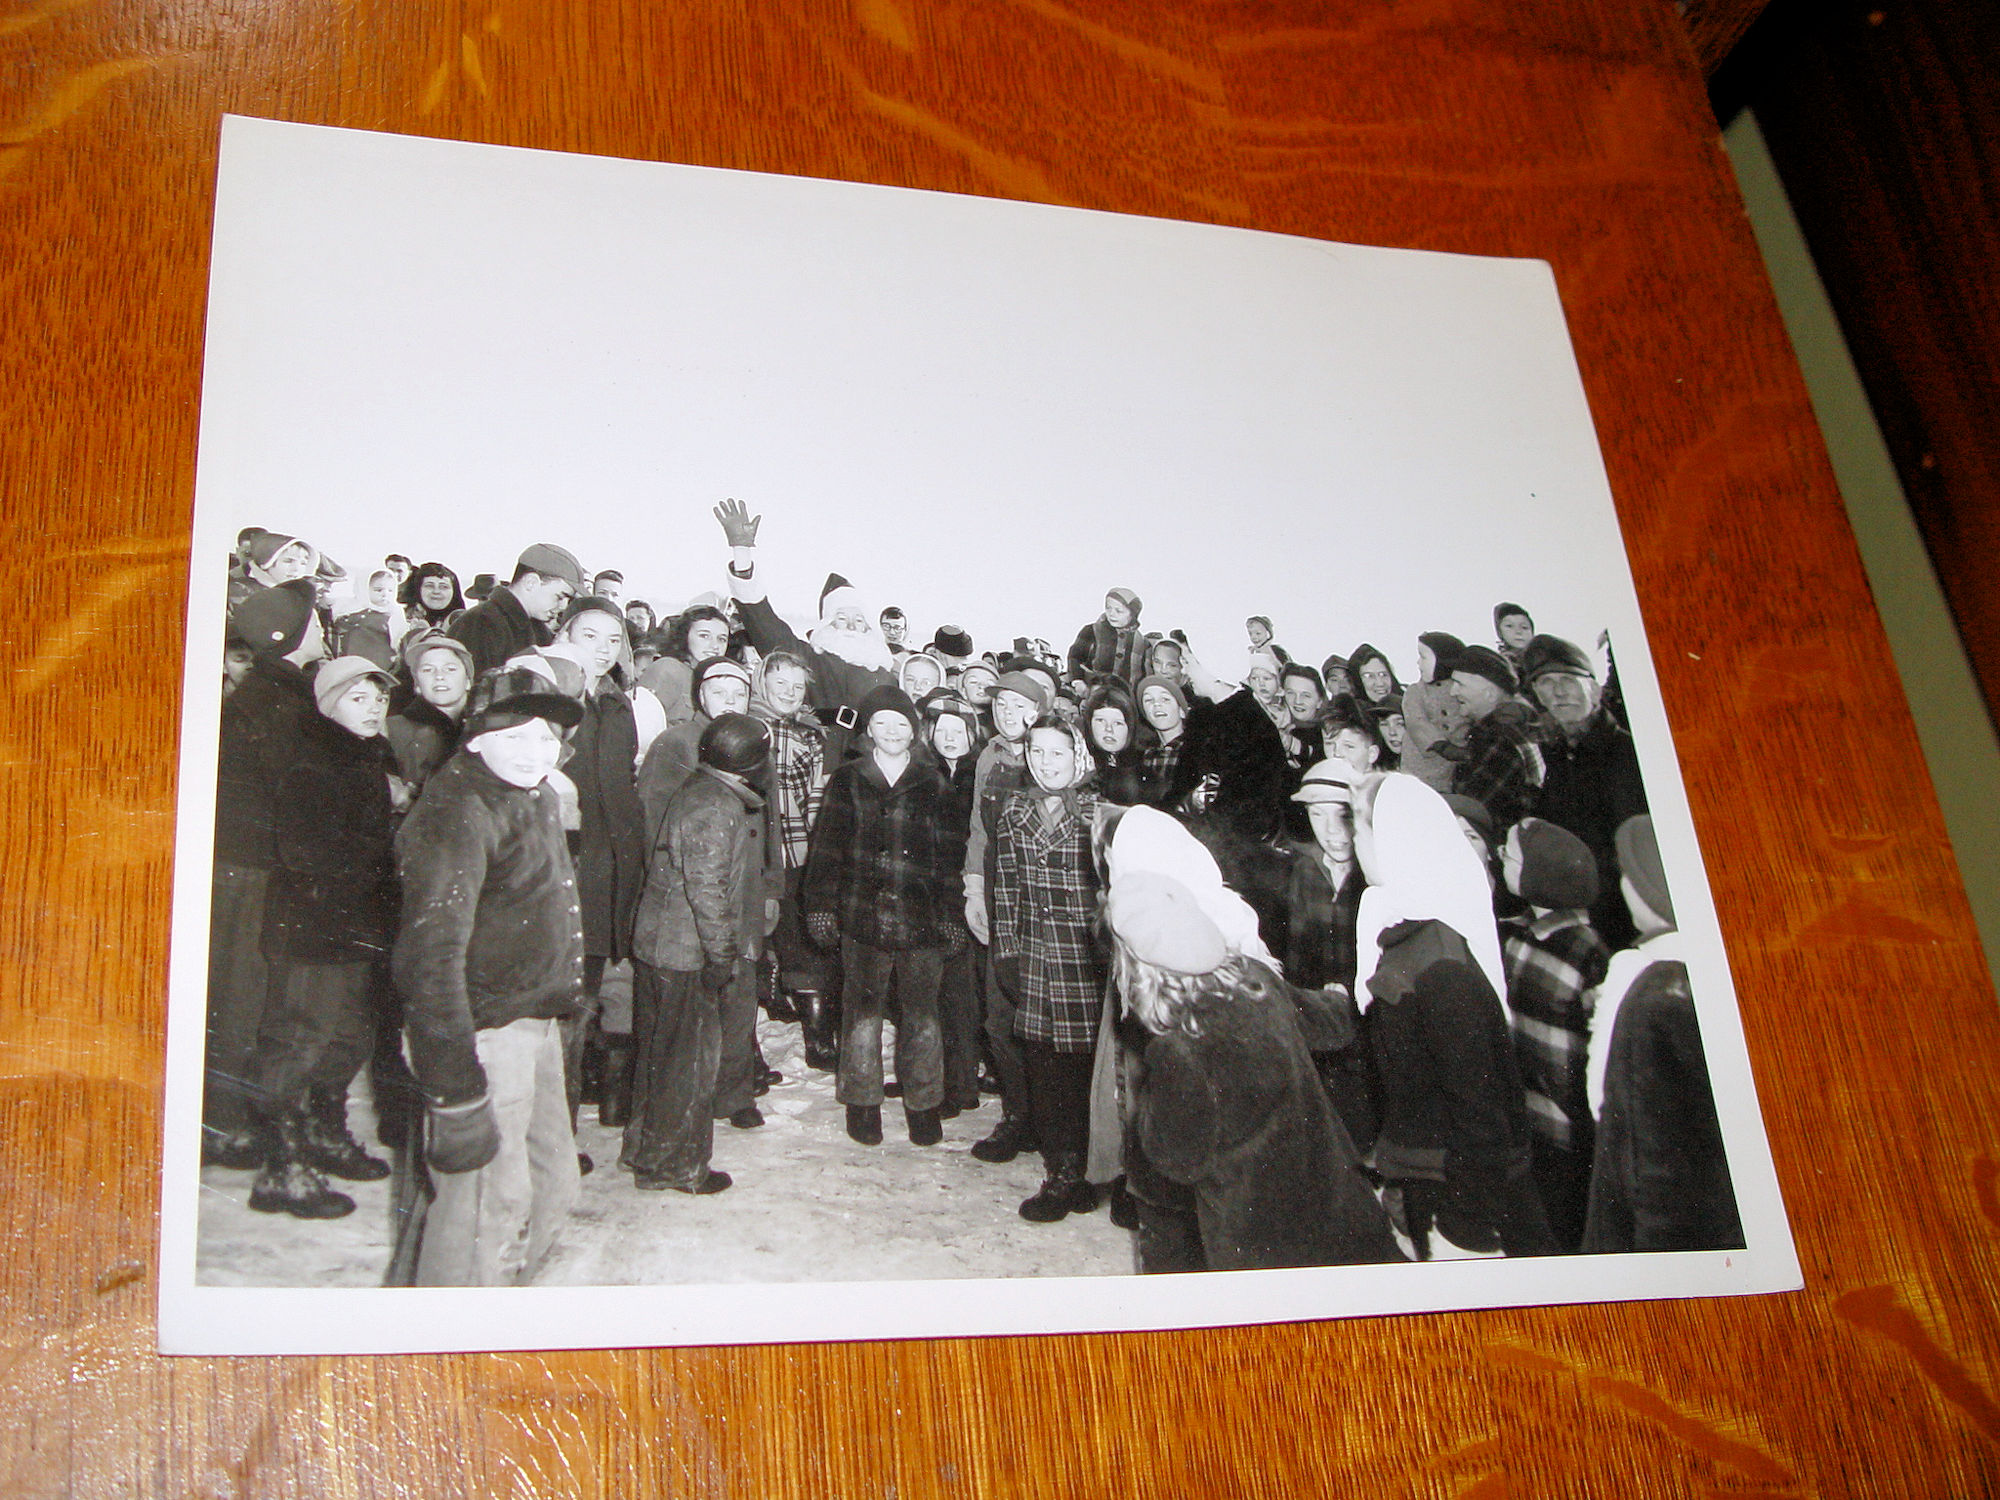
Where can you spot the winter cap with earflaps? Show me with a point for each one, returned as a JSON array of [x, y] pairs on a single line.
[[274, 619], [1639, 861], [942, 703], [507, 697], [1127, 598], [266, 545], [1163, 924], [1558, 871], [551, 561], [337, 676], [717, 666]]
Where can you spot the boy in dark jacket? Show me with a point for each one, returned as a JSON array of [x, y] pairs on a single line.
[[882, 880], [329, 916], [693, 934], [489, 959]]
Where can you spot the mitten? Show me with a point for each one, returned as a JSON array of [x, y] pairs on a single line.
[[463, 1137], [825, 929]]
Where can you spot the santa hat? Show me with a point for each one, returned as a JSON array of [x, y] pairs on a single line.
[[838, 594]]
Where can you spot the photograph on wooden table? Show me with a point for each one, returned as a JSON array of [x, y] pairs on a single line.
[[769, 759]]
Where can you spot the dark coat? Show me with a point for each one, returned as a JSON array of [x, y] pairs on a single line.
[[1660, 1179], [1229, 1104], [1319, 951], [260, 736], [1453, 1110], [709, 878], [611, 845], [885, 860], [332, 897], [670, 760], [1105, 651], [491, 930], [423, 738], [496, 629], [1592, 785], [1044, 915], [1236, 742]]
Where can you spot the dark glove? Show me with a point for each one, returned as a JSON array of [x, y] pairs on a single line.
[[1007, 973], [825, 929], [739, 527], [715, 977], [463, 1137]]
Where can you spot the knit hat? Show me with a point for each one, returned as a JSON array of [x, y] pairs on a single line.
[[1548, 653], [552, 561], [1639, 861], [1127, 598], [1558, 871], [1504, 610], [953, 644], [585, 604], [507, 697], [340, 674], [274, 619], [1329, 781], [1484, 661], [1474, 812], [419, 643], [1028, 687], [716, 666], [1159, 919], [1156, 680], [1264, 658], [887, 699]]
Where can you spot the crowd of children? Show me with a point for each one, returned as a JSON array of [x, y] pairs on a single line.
[[1310, 967]]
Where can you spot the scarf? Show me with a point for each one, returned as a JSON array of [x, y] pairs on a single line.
[[1148, 839], [1428, 873]]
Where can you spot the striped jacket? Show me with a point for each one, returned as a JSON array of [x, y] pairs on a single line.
[[884, 859], [1553, 962], [1045, 914]]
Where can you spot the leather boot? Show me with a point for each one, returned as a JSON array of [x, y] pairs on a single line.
[[762, 1071], [1013, 1135], [239, 1150], [288, 1183], [614, 1108], [1063, 1192], [925, 1126], [330, 1146], [771, 991], [864, 1124], [819, 1018]]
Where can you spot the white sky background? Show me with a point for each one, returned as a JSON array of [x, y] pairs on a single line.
[[986, 412]]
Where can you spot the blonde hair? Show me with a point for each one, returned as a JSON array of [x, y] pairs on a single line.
[[1162, 1000]]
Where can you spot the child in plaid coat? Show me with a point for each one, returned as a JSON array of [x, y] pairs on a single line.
[[1554, 960], [1046, 954]]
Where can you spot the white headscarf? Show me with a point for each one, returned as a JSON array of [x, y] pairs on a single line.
[[1148, 839], [1428, 873]]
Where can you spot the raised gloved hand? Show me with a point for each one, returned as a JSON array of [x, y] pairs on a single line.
[[739, 527], [824, 928], [463, 1137]]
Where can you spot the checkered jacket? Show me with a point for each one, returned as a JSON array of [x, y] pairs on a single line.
[[798, 775], [1044, 914], [1502, 768], [1553, 963], [884, 859]]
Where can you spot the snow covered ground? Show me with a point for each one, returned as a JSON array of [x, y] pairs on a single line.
[[808, 1204]]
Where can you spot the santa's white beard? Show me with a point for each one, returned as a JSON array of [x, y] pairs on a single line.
[[863, 648]]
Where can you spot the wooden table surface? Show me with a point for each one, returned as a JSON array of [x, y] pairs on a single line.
[[1572, 130]]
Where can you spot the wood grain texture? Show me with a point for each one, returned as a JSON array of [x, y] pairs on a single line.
[[1571, 130]]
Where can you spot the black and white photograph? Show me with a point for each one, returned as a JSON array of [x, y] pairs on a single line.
[[768, 759]]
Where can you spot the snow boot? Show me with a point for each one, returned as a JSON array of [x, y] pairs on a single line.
[[820, 1022], [239, 1150], [864, 1123], [1063, 1192], [614, 1104], [924, 1126], [288, 1183], [1013, 1135], [330, 1146], [771, 991]]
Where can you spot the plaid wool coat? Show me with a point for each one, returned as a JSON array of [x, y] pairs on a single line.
[[885, 859], [1045, 914]]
